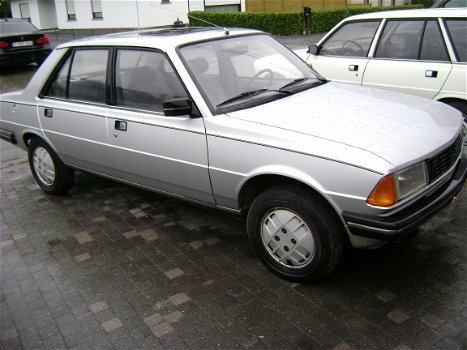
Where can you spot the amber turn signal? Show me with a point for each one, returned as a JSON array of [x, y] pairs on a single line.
[[384, 193]]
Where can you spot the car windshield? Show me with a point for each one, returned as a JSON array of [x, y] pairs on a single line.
[[16, 27], [238, 70]]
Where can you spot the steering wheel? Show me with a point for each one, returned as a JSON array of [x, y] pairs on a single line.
[[357, 49], [258, 74]]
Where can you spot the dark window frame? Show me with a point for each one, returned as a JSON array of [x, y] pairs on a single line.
[[420, 43], [451, 41], [378, 20]]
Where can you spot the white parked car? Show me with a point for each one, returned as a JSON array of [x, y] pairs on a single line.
[[418, 52], [234, 120]]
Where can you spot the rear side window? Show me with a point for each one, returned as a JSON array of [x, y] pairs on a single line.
[[433, 48], [401, 40], [352, 39], [82, 77], [412, 40], [458, 33]]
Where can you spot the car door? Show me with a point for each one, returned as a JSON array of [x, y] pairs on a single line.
[[411, 57], [73, 109], [148, 148], [344, 55]]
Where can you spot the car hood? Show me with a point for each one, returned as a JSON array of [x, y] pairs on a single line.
[[398, 128]]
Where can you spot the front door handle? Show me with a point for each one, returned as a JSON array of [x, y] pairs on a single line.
[[120, 125], [353, 67], [48, 113], [431, 74]]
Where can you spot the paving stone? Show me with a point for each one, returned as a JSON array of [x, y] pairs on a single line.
[[402, 347], [83, 257], [386, 295], [153, 319], [8, 334], [111, 325], [196, 244], [174, 273], [98, 307], [149, 235], [131, 234], [174, 317], [398, 316], [161, 329], [211, 241], [342, 346], [83, 237], [431, 320], [179, 298]]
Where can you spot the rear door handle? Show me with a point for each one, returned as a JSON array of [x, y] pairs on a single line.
[[48, 113], [431, 74], [120, 125], [353, 67]]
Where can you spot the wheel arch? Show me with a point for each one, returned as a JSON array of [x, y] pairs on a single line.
[[260, 182], [457, 103]]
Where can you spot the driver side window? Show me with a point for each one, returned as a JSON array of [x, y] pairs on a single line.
[[352, 39]]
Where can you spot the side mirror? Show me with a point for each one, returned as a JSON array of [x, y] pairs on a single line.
[[313, 49], [177, 107]]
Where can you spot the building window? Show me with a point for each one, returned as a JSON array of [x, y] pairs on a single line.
[[70, 10], [24, 10], [165, 1], [222, 8], [96, 6]]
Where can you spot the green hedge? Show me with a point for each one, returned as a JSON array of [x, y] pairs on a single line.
[[284, 23], [424, 3]]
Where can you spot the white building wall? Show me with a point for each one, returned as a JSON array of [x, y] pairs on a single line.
[[46, 14]]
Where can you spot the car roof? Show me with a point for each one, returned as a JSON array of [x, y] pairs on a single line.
[[162, 38], [415, 13]]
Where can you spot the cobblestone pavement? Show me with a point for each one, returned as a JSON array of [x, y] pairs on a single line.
[[111, 266]]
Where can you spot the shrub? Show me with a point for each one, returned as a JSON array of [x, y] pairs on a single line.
[[284, 23]]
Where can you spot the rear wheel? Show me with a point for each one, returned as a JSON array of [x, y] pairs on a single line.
[[48, 170], [296, 233]]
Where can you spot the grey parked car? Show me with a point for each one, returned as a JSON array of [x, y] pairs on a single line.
[[234, 120]]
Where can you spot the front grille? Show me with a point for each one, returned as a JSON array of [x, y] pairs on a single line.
[[440, 163]]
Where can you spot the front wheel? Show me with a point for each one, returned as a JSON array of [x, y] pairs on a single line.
[[52, 176], [296, 233]]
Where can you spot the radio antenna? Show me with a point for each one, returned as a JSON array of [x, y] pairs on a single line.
[[226, 31]]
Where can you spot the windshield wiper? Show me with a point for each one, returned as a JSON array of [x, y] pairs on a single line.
[[249, 93], [300, 80]]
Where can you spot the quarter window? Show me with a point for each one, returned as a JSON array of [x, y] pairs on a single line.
[[85, 81], [145, 79], [433, 48], [352, 39], [458, 32]]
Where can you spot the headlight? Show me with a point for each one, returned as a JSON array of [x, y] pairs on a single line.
[[394, 187]]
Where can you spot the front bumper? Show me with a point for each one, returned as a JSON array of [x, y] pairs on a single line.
[[395, 226]]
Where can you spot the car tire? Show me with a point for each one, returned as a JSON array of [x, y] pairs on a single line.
[[50, 173], [295, 233]]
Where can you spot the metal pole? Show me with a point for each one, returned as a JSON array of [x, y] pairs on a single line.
[[137, 14]]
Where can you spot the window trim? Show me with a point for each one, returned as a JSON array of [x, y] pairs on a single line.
[[425, 21], [449, 37], [113, 80], [71, 52], [375, 37]]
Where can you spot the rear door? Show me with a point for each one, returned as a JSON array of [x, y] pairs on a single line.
[[411, 57], [344, 55], [73, 110]]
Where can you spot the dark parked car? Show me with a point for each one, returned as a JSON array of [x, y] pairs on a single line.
[[450, 4], [22, 43]]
